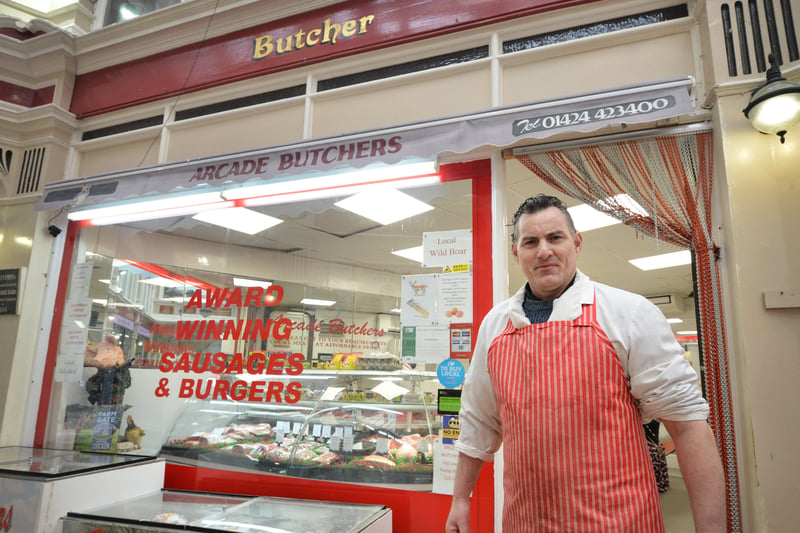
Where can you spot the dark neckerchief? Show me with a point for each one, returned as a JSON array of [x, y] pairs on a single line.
[[538, 310]]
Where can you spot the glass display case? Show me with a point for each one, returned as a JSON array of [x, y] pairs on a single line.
[[43, 463], [170, 510], [355, 426]]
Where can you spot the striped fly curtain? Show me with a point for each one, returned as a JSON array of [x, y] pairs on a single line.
[[670, 176]]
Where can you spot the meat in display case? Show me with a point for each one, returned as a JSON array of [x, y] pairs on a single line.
[[361, 426], [167, 511]]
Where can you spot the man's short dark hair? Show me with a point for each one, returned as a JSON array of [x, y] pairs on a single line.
[[537, 203]]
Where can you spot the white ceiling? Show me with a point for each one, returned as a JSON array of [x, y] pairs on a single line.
[[320, 231]]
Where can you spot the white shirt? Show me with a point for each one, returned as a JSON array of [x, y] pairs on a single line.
[[659, 376]]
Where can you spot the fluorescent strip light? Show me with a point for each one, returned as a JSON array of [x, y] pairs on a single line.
[[655, 262], [238, 219], [384, 205], [173, 202], [244, 282], [414, 254], [395, 310], [674, 320], [329, 192], [314, 301], [333, 181], [687, 332], [151, 215], [163, 282]]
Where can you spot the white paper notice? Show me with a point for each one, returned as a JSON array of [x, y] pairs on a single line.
[[77, 313], [418, 294], [69, 367], [331, 393], [447, 248], [455, 298], [431, 344], [65, 439], [382, 446], [75, 326], [389, 389], [445, 459], [80, 277]]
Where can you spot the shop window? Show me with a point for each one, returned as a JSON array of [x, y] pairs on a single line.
[[419, 65], [246, 101], [596, 28], [122, 10], [308, 349], [122, 128]]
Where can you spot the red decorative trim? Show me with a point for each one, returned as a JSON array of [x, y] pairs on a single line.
[[19, 95], [230, 58], [19, 35]]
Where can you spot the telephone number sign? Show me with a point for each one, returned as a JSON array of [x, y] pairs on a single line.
[[594, 114]]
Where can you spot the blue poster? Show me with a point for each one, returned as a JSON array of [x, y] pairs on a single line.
[[451, 373]]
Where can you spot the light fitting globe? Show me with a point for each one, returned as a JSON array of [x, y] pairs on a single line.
[[775, 106]]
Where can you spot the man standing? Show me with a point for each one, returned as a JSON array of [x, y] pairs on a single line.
[[562, 374]]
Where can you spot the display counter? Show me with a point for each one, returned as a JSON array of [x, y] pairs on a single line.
[[38, 486], [359, 426]]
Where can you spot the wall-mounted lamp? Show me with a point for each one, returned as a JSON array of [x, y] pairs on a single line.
[[775, 106]]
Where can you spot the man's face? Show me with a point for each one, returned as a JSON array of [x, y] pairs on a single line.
[[546, 251]]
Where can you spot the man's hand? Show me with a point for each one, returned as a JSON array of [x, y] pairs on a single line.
[[458, 519], [467, 472]]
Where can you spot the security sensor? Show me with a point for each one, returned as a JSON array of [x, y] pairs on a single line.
[[54, 230]]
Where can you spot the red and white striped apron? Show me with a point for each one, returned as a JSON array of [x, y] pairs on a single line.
[[575, 455]]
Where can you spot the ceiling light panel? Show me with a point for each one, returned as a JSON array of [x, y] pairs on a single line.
[[414, 254], [384, 205], [238, 219], [588, 218], [654, 262]]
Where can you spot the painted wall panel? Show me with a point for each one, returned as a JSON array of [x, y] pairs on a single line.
[[598, 69], [236, 131], [127, 154], [398, 102]]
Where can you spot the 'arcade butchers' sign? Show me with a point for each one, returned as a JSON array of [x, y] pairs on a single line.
[[313, 157], [618, 112]]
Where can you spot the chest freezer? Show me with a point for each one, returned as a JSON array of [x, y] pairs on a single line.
[[168, 511]]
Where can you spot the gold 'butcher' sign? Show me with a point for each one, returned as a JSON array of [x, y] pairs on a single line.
[[328, 33]]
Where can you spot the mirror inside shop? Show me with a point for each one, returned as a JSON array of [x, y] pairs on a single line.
[[308, 348]]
